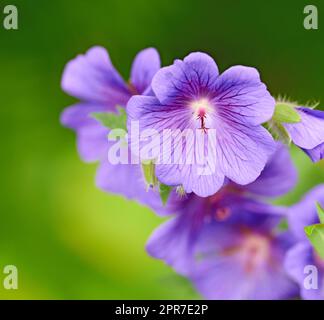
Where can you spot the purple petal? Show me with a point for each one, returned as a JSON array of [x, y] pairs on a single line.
[[297, 258], [241, 96], [145, 65], [92, 142], [242, 152], [225, 280], [92, 139], [243, 206], [171, 242], [221, 271], [316, 154], [222, 280], [309, 133], [151, 114], [92, 77], [127, 180], [304, 213], [191, 78], [278, 177], [202, 176], [168, 174], [202, 182], [79, 115]]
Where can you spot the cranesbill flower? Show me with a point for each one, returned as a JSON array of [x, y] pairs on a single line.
[[308, 134], [243, 260], [227, 110], [93, 79], [227, 244], [302, 254]]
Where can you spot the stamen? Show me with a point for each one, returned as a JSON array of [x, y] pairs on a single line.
[[202, 118], [201, 108]]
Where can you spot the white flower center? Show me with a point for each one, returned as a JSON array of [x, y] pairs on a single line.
[[255, 251], [201, 108]]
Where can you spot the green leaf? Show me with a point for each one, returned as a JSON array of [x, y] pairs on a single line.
[[315, 234], [320, 212], [148, 168], [117, 133], [112, 120], [278, 132], [285, 113], [165, 192]]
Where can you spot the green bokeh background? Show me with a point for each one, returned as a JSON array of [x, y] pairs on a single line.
[[68, 239]]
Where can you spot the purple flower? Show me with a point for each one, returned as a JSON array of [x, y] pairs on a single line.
[[93, 79], [243, 261], [227, 110], [227, 244], [308, 134], [302, 255]]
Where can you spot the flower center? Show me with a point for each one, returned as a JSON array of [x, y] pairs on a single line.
[[253, 252], [200, 109]]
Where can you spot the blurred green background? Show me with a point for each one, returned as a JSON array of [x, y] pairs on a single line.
[[68, 239]]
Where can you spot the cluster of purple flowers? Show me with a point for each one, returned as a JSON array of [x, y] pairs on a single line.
[[223, 232]]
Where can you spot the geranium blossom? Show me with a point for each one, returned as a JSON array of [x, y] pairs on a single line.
[[226, 109], [303, 254], [213, 161], [228, 243], [93, 79], [308, 134]]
